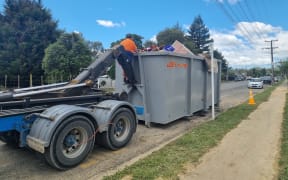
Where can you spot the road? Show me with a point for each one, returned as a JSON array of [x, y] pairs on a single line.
[[233, 93], [25, 164]]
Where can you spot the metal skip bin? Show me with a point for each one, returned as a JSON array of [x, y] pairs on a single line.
[[170, 86]]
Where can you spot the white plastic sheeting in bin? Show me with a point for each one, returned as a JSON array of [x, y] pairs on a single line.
[[170, 86]]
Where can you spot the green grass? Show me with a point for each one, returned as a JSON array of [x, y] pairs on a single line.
[[283, 162], [169, 161]]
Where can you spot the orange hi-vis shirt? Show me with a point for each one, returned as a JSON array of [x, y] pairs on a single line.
[[129, 45]]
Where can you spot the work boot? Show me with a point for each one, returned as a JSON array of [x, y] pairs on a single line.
[[126, 81]]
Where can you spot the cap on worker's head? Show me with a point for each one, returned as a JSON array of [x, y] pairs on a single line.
[[128, 36]]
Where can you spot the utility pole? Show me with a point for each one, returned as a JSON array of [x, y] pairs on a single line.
[[272, 61], [212, 79]]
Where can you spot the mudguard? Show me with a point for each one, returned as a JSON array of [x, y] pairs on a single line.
[[105, 110], [46, 123]]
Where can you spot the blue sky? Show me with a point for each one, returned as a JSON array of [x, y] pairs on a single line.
[[239, 27]]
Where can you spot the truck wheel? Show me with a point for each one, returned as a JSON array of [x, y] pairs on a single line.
[[120, 131], [71, 143]]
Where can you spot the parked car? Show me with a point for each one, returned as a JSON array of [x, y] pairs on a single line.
[[239, 78], [255, 83], [267, 79], [248, 78]]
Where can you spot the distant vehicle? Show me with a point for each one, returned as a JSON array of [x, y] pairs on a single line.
[[255, 83], [248, 78], [239, 78], [267, 79]]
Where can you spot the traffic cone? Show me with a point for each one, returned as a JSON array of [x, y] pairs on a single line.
[[251, 98]]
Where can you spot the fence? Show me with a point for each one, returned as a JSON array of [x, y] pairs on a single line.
[[11, 82]]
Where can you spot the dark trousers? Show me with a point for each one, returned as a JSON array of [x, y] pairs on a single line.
[[125, 60]]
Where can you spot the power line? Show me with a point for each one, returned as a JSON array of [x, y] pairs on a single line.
[[249, 9], [242, 27], [252, 29], [247, 15]]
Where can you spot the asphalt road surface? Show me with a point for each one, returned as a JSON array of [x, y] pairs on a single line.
[[26, 164]]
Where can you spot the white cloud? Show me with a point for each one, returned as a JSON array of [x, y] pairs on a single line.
[[186, 26], [244, 45], [76, 32], [153, 38], [110, 24]]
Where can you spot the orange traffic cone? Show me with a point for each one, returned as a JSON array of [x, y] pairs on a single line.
[[251, 98]]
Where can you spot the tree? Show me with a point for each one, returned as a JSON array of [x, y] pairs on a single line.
[[149, 43], [26, 30], [283, 67], [263, 72], [111, 72], [66, 57], [191, 46], [255, 72], [224, 65], [169, 35], [95, 48], [198, 33]]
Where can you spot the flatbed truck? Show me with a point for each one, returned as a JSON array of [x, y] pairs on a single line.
[[63, 121]]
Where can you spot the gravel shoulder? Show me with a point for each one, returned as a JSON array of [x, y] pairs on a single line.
[[249, 151]]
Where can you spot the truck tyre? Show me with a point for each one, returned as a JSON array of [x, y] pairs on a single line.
[[120, 131], [71, 143]]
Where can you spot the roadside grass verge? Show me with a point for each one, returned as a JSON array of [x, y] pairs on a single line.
[[169, 161], [283, 161]]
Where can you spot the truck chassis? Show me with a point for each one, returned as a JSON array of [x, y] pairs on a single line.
[[63, 121]]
